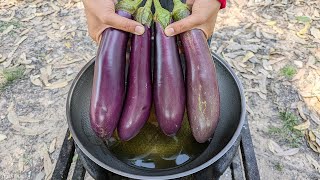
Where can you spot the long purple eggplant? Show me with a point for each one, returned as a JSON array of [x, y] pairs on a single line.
[[203, 99], [109, 76], [169, 90], [138, 100]]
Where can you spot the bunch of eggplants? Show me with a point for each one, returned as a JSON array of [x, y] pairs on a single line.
[[128, 108]]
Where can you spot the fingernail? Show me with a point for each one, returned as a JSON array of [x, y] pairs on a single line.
[[169, 31], [139, 30]]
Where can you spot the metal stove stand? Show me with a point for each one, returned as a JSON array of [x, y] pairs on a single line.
[[243, 166]]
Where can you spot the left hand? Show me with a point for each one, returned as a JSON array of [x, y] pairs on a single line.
[[203, 16]]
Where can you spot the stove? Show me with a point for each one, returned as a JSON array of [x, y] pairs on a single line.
[[243, 166]]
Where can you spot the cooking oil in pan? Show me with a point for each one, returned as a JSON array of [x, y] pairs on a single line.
[[154, 150]]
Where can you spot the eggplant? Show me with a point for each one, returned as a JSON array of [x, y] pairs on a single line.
[[168, 82], [138, 100], [109, 75], [203, 98]]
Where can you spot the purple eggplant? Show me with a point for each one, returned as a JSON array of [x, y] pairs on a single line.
[[168, 87], [203, 99], [109, 76], [138, 100]]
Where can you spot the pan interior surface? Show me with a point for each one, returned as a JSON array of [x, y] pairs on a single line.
[[152, 149], [231, 115]]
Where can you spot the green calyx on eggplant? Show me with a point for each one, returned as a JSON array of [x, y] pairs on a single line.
[[180, 10], [129, 6], [144, 14], [161, 15]]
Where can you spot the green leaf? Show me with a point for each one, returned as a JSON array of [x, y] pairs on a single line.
[[303, 18], [288, 71]]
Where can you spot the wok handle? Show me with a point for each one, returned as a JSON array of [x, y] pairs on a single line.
[[248, 155], [63, 164]]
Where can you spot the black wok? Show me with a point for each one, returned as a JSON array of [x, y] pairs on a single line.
[[222, 146]]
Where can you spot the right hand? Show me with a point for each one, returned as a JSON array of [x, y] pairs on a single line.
[[203, 16], [101, 15]]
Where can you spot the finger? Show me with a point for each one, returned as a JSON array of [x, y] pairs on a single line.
[[182, 26], [99, 33], [95, 26], [125, 24], [208, 28], [190, 2]]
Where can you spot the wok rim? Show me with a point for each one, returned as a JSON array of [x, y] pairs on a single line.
[[172, 176]]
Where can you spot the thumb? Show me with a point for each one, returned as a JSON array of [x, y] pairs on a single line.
[[181, 26], [125, 24]]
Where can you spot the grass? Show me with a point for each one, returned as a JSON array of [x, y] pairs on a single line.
[[287, 133], [5, 25], [279, 167], [10, 74], [26, 159], [289, 71], [303, 19]]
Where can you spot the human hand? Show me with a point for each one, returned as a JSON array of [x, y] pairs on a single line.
[[101, 15], [203, 16]]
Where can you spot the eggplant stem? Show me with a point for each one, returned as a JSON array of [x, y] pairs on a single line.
[[144, 14], [161, 15], [180, 10], [129, 6]]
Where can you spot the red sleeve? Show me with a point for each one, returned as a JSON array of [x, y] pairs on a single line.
[[223, 3]]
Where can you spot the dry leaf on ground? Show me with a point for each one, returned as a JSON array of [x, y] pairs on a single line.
[[315, 32], [35, 80], [21, 164], [263, 83], [289, 152], [249, 110], [303, 126], [274, 147], [266, 65], [304, 30], [278, 151], [25, 119], [6, 31], [24, 32], [7, 19], [313, 139], [15, 119], [271, 62], [248, 76], [44, 76], [301, 111], [315, 118], [7, 63], [313, 162], [248, 56], [271, 23], [23, 59], [26, 131], [52, 145], [299, 75], [57, 85], [12, 117], [40, 176], [2, 137], [47, 164], [17, 46]]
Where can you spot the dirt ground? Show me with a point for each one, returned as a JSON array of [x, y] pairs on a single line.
[[273, 46]]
